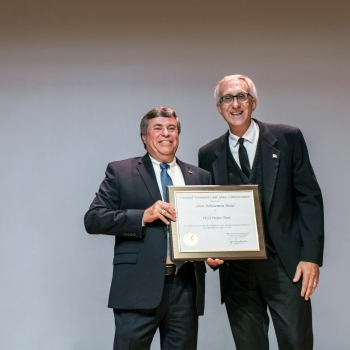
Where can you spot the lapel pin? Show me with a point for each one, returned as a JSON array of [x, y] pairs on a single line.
[[190, 172], [274, 156]]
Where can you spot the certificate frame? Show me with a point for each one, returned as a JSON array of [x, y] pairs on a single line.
[[230, 252]]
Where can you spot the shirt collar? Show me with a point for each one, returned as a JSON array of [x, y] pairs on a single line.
[[249, 135], [157, 163]]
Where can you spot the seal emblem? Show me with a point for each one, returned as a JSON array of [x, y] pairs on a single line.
[[190, 239]]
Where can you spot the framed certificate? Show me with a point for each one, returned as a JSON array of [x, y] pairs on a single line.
[[222, 222]]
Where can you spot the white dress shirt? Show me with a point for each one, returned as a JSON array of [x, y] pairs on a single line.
[[174, 171], [251, 138]]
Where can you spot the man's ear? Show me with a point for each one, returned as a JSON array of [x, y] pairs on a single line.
[[254, 103], [143, 138], [218, 106]]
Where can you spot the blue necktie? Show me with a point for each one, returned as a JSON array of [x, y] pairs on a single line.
[[167, 181]]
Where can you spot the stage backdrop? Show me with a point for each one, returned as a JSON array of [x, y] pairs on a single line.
[[76, 77]]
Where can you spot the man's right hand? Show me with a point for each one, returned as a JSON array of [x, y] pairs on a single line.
[[159, 210], [214, 262]]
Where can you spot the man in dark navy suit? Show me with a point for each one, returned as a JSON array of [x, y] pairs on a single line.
[[276, 158], [148, 290]]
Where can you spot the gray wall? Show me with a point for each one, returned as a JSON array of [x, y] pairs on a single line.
[[75, 79]]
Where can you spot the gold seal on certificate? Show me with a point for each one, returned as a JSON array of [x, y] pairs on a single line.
[[216, 222], [190, 239]]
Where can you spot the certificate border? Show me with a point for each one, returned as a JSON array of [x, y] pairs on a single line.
[[225, 255]]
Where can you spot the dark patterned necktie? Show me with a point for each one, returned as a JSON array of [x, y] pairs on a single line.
[[243, 158]]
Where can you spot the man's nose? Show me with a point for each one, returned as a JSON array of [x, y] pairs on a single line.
[[165, 132], [235, 102]]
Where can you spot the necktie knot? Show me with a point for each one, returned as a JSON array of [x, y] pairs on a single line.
[[164, 166], [241, 141]]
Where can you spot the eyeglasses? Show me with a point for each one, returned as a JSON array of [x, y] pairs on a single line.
[[241, 97]]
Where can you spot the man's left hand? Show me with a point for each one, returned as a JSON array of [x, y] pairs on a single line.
[[310, 273]]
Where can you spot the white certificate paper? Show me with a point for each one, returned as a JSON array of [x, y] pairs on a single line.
[[216, 221]]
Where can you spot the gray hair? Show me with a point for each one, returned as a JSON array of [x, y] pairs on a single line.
[[228, 78], [156, 112]]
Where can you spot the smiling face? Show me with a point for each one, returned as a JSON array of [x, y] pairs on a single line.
[[237, 114], [162, 138]]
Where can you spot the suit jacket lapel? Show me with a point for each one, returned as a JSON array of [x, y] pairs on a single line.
[[220, 165], [270, 163], [148, 176], [187, 172]]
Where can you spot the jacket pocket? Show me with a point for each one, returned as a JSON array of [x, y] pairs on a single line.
[[125, 258]]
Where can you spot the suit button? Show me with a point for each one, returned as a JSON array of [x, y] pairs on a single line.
[[163, 259], [230, 175]]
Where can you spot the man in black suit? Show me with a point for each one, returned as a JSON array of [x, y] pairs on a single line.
[[148, 290], [276, 158]]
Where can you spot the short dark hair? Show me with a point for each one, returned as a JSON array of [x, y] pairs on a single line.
[[156, 112]]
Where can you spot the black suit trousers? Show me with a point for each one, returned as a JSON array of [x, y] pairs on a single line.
[[255, 285], [176, 317]]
